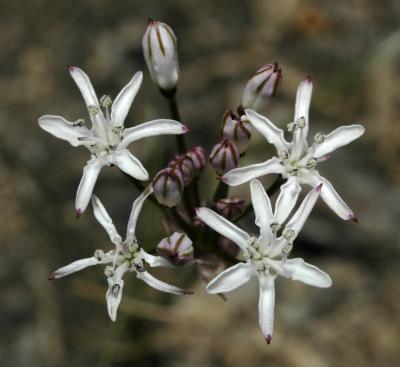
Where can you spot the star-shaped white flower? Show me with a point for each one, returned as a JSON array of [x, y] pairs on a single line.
[[107, 140], [266, 255], [126, 256], [298, 160]]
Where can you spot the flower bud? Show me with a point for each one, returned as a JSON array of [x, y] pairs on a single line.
[[185, 165], [224, 156], [168, 186], [161, 54], [176, 248], [231, 207], [262, 87], [237, 129], [198, 156]]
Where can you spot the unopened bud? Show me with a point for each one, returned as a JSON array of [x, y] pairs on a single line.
[[224, 156], [262, 87], [236, 129], [161, 54], [198, 156], [185, 165], [231, 207], [176, 248], [168, 186]]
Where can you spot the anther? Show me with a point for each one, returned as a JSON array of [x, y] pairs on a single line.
[[105, 101], [319, 138], [276, 227], [288, 247], [301, 122], [291, 126], [99, 255], [78, 123], [115, 289], [108, 271], [283, 155], [289, 234], [312, 162], [93, 110]]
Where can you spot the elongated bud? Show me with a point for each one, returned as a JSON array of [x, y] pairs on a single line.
[[185, 165], [231, 207], [237, 129], [198, 156], [168, 186], [161, 54], [177, 248], [224, 156], [262, 87]]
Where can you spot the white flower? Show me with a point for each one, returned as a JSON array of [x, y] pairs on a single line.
[[266, 255], [297, 159], [107, 140], [126, 256], [161, 54]]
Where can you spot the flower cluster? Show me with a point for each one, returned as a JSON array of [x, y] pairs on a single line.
[[200, 230]]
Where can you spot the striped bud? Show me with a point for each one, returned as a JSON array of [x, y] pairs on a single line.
[[168, 186], [198, 156], [262, 87], [161, 54], [177, 248], [231, 207], [185, 165], [236, 129], [224, 156]]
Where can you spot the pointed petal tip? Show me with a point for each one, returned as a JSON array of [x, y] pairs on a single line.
[[222, 179], [308, 79], [52, 276], [318, 188], [353, 218], [268, 339], [188, 291], [78, 213], [185, 129]]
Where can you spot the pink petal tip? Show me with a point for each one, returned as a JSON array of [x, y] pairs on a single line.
[[70, 68], [318, 188], [187, 291], [52, 276], [268, 339], [78, 213], [185, 129], [353, 218], [308, 79]]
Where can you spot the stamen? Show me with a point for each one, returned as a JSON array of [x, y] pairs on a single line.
[[108, 271], [288, 247], [99, 255], [93, 110], [291, 126], [276, 227], [312, 162], [283, 155], [319, 138], [78, 123], [105, 101], [115, 289], [289, 234], [301, 122]]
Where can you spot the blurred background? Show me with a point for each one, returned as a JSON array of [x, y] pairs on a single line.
[[352, 51]]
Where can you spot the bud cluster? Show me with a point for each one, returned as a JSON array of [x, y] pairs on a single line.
[[169, 183]]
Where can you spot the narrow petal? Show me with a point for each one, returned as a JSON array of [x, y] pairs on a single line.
[[114, 292], [123, 101], [231, 278], [161, 286], [136, 208], [63, 129], [338, 138], [307, 273], [85, 188], [155, 261], [270, 132], [104, 219], [241, 175], [128, 163], [152, 128], [85, 86], [79, 265], [296, 223], [224, 227], [330, 196], [266, 305], [303, 100], [287, 199]]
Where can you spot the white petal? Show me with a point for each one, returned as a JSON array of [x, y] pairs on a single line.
[[136, 208], [307, 273], [78, 265], [270, 132], [241, 175], [231, 278], [161, 286], [114, 292], [224, 227], [85, 86], [152, 128], [338, 138], [303, 100], [85, 188], [63, 129], [155, 261], [128, 163], [287, 199], [331, 197], [123, 102], [266, 304], [104, 219], [296, 223]]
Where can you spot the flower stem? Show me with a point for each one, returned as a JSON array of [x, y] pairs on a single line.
[[220, 192]]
